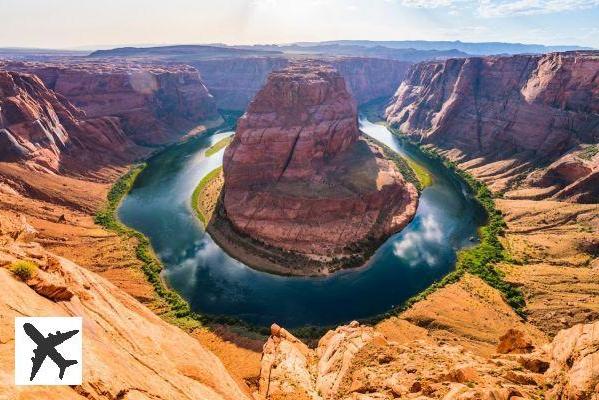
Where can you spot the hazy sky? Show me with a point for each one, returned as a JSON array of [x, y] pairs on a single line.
[[73, 23]]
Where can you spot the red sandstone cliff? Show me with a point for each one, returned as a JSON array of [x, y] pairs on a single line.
[[155, 103], [234, 82], [298, 175], [520, 112], [42, 129]]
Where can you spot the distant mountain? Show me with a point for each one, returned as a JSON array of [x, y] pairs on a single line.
[[408, 54], [25, 53], [182, 51], [483, 48]]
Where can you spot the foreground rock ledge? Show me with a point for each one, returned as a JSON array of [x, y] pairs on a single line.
[[301, 181]]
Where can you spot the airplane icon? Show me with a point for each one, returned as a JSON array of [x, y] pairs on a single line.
[[46, 347]]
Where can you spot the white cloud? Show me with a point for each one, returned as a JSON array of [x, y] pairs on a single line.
[[419, 245], [506, 8], [429, 3]]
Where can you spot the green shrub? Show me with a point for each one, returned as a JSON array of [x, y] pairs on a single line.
[[24, 270], [215, 148]]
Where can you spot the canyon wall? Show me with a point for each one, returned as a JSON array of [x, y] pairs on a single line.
[[523, 113], [371, 78], [156, 104], [234, 82], [42, 129], [298, 175]]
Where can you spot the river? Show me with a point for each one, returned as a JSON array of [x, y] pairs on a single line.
[[159, 206]]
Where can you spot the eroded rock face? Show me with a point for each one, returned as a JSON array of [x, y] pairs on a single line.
[[358, 362], [574, 367], [299, 176], [129, 352], [155, 103], [528, 110], [234, 82], [40, 128]]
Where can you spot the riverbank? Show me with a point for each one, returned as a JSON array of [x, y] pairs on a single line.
[[206, 195], [481, 259]]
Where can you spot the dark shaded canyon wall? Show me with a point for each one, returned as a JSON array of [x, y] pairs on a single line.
[[234, 82]]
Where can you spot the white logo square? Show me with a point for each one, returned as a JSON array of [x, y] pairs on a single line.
[[48, 351]]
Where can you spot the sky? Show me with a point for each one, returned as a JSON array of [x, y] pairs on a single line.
[[88, 23]]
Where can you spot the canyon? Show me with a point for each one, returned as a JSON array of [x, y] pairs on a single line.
[[526, 125], [47, 133], [298, 149], [460, 342]]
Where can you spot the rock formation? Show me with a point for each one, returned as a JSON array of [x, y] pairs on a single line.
[[299, 176], [129, 352], [45, 131], [155, 103], [521, 113], [359, 362], [234, 82]]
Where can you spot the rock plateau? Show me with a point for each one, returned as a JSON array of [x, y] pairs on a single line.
[[300, 177], [155, 103], [129, 352]]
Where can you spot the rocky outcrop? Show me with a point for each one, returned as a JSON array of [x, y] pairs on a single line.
[[299, 176], [155, 104], [129, 353], [574, 368], [574, 176], [42, 129], [358, 362], [234, 82], [521, 113]]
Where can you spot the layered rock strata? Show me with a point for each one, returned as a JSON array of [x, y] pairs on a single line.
[[300, 177], [509, 116], [156, 104], [42, 129]]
